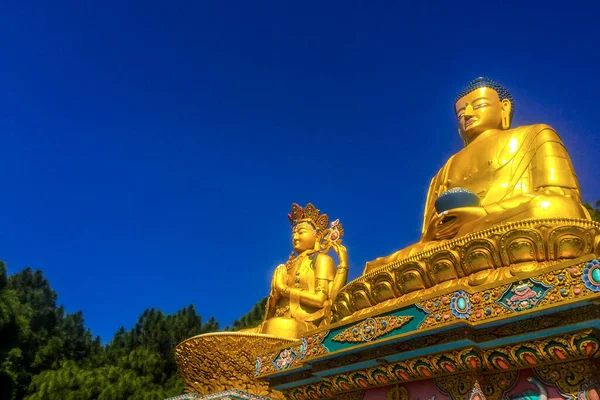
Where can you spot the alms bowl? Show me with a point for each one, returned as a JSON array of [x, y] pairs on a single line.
[[456, 198]]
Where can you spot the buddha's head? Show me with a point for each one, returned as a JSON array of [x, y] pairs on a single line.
[[308, 227], [481, 106]]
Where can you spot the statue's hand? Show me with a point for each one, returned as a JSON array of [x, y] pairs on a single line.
[[279, 281], [342, 253], [447, 224]]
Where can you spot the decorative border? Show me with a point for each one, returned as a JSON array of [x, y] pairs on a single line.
[[186, 396], [371, 328], [562, 285], [471, 260], [574, 346], [591, 276], [573, 379], [308, 347], [233, 394]]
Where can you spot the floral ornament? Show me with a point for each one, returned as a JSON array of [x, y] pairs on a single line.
[[460, 305], [258, 366], [588, 389], [303, 347], [336, 231], [284, 359], [591, 276], [332, 235], [523, 295]]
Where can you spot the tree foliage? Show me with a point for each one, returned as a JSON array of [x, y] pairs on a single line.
[[594, 211], [49, 354], [253, 318]]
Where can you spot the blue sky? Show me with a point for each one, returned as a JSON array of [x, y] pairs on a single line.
[[151, 151]]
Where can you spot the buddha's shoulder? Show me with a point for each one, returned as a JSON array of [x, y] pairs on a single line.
[[541, 132]]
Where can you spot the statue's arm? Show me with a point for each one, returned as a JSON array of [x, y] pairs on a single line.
[[551, 165], [341, 274], [551, 171], [437, 186], [324, 274], [553, 191]]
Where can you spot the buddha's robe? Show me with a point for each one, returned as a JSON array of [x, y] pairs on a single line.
[[518, 174]]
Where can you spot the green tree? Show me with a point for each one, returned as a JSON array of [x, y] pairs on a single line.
[[252, 318], [137, 364], [39, 335], [49, 354], [14, 326], [594, 211]]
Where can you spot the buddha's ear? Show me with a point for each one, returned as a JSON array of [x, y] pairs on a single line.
[[506, 113]]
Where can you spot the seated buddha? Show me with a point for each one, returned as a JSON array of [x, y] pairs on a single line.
[[303, 288], [513, 173]]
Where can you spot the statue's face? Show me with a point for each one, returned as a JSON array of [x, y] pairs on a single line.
[[478, 112], [304, 237]]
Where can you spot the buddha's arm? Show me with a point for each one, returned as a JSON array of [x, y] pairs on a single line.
[[437, 186], [324, 274], [341, 274], [554, 190], [551, 188]]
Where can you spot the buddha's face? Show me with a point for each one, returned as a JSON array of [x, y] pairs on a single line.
[[304, 237], [479, 111]]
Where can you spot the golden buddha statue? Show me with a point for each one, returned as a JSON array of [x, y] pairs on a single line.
[[303, 288], [515, 174]]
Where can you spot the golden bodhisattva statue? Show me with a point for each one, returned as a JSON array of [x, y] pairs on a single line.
[[302, 292], [303, 288], [501, 175]]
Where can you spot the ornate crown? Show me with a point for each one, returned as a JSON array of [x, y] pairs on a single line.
[[308, 214]]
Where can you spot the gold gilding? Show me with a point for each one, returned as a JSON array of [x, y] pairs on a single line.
[[528, 220], [303, 288], [518, 174]]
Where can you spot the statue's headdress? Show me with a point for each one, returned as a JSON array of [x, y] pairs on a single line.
[[319, 221], [480, 82], [308, 214]]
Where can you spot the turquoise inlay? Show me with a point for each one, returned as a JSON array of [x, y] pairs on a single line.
[[417, 313], [413, 335], [591, 275], [524, 295], [459, 305]]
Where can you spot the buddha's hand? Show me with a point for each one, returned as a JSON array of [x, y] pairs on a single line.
[[447, 224], [342, 254], [278, 285]]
